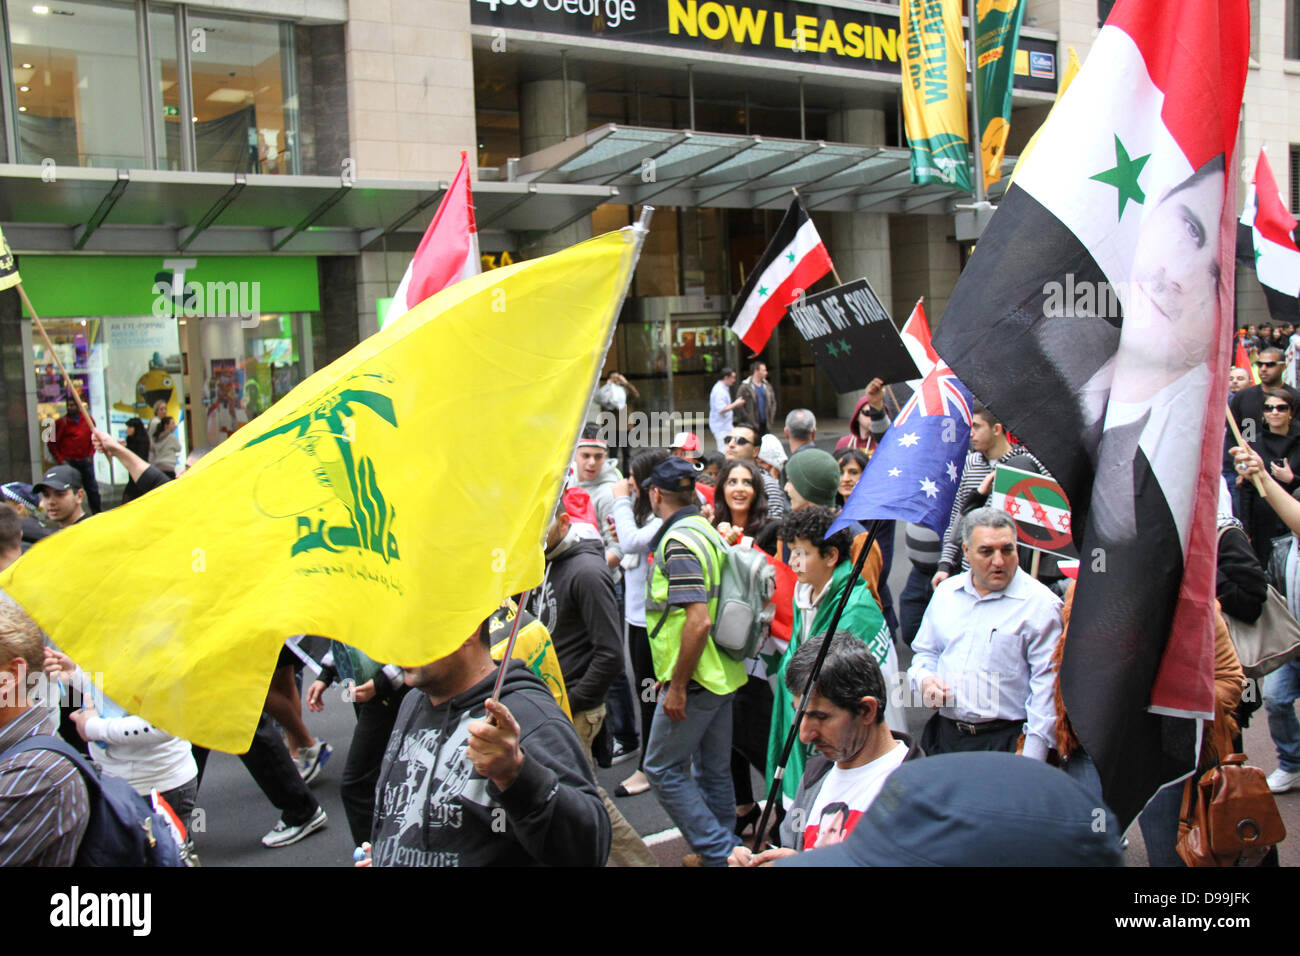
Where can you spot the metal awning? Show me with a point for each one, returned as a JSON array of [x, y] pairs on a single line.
[[157, 211], [683, 168]]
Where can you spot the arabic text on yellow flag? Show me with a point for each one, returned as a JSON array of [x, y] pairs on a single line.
[[391, 501]]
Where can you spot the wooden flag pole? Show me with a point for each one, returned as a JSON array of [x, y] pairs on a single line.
[[1033, 565], [67, 380], [1241, 442]]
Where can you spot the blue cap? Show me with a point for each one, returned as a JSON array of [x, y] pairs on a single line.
[[673, 474], [977, 809]]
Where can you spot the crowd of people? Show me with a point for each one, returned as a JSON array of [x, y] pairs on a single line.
[[616, 661]]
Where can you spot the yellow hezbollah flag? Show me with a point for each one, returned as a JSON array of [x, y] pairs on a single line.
[[391, 501], [1071, 68], [933, 57], [8, 271]]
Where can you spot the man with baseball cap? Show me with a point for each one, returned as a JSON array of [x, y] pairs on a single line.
[[63, 496], [25, 502], [692, 720]]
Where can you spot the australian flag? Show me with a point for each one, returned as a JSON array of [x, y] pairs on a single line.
[[914, 473]]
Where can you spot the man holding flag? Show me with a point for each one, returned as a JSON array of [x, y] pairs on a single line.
[[1126, 195]]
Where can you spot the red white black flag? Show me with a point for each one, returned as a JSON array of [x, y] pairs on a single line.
[[1093, 320], [793, 261], [1266, 235]]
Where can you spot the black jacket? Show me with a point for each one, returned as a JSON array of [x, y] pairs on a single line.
[[580, 609], [1241, 584], [433, 809]]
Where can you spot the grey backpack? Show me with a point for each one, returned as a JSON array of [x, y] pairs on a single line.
[[745, 607]]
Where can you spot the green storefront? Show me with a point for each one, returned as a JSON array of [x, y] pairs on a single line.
[[216, 339]]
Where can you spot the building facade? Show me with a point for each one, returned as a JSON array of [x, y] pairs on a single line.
[[210, 201]]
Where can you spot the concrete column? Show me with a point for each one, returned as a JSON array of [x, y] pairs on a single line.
[[541, 124], [860, 241], [928, 265]]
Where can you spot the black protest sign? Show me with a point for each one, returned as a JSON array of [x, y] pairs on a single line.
[[852, 337]]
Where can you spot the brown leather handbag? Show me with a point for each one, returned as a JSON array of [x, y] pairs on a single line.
[[1229, 817]]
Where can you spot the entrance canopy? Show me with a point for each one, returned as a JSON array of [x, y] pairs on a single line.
[[684, 168], [157, 211]]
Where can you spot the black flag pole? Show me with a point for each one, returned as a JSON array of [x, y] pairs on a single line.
[[774, 791]]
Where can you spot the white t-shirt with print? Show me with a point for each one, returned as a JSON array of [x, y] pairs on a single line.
[[855, 789]]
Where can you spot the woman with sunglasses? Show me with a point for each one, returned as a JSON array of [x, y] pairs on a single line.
[[1278, 444]]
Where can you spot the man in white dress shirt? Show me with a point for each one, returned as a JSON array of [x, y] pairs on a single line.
[[982, 656]]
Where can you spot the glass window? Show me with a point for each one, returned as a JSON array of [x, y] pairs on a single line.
[[245, 102], [77, 81], [166, 90], [1292, 50]]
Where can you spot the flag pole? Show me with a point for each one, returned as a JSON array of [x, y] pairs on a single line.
[[67, 379], [774, 791], [639, 231], [1236, 432], [977, 152]]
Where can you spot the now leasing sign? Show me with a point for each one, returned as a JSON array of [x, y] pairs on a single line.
[[817, 34]]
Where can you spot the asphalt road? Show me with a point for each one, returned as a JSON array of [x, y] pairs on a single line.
[[236, 814]]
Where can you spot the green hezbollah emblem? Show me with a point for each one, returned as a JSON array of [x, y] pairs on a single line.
[[326, 436]]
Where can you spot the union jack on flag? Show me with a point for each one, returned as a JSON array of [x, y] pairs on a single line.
[[940, 394], [913, 475]]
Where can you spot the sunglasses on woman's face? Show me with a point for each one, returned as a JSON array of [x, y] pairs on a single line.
[[1277, 408]]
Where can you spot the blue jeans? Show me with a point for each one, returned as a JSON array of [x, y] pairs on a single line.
[[1281, 689], [702, 804], [913, 602]]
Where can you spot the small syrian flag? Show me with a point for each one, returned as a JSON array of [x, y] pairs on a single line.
[[447, 253], [1109, 266], [794, 260], [1267, 234]]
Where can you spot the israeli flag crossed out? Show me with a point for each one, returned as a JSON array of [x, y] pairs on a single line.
[[913, 475]]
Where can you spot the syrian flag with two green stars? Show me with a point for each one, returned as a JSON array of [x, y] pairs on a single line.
[[1094, 321], [793, 261]]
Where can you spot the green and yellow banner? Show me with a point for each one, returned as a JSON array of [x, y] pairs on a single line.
[[934, 92], [997, 31]]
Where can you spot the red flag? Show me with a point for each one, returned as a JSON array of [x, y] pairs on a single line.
[[447, 253], [1242, 361]]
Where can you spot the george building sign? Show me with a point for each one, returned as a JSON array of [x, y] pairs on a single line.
[[813, 33]]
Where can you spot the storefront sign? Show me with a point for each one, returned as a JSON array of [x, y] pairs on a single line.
[[162, 285], [852, 338], [812, 33]]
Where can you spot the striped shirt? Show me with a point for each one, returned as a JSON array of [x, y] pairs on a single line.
[[776, 505], [976, 469], [686, 584], [44, 806]]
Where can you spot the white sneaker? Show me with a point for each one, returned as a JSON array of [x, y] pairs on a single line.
[[283, 834], [311, 760], [1280, 780]]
